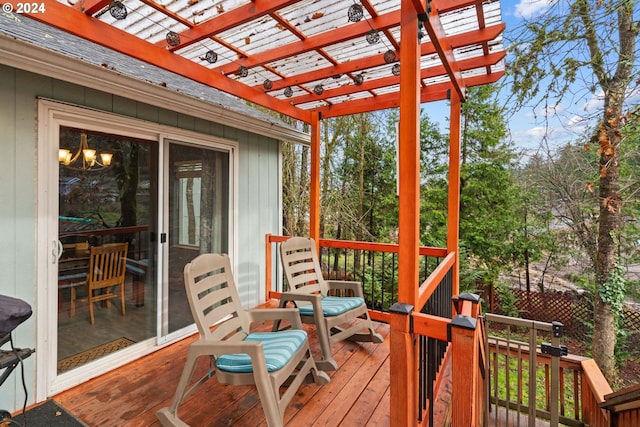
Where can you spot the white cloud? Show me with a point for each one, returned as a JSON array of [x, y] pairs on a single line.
[[528, 8], [595, 102], [575, 121], [536, 132]]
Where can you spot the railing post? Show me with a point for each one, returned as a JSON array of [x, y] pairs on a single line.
[[268, 268], [465, 365], [555, 350], [403, 378]]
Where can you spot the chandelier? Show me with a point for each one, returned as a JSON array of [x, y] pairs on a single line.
[[85, 159]]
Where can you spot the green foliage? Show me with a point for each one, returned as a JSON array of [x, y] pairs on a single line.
[[570, 41], [358, 177], [612, 291], [490, 195], [378, 282], [507, 300]]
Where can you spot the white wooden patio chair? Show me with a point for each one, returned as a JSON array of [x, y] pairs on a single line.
[[239, 357], [325, 303]]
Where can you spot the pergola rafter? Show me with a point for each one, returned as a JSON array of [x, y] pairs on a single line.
[[308, 48]]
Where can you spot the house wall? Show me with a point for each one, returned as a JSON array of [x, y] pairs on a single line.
[[257, 198]]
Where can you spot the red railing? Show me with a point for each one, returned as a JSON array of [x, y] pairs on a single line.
[[373, 264], [418, 337], [623, 407], [594, 387], [424, 338]]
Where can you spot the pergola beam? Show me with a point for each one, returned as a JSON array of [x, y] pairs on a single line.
[[227, 20], [467, 64], [459, 40], [443, 47], [430, 93], [319, 41], [75, 22], [91, 7]]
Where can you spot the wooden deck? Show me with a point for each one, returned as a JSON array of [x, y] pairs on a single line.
[[358, 394]]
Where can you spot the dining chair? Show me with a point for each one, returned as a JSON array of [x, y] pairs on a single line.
[[270, 360], [107, 270], [329, 304]]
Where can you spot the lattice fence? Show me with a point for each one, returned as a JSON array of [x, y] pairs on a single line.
[[575, 312]]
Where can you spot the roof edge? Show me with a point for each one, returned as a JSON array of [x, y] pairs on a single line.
[[29, 57]]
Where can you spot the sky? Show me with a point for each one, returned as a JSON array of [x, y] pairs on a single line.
[[529, 128]]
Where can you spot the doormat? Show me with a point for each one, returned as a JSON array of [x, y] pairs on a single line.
[[93, 354], [49, 414]]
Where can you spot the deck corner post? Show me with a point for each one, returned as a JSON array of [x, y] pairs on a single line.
[[403, 356], [465, 372]]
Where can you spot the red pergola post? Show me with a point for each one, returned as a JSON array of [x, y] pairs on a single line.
[[453, 210], [314, 190], [403, 387]]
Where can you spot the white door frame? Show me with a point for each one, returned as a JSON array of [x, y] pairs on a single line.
[[51, 115]]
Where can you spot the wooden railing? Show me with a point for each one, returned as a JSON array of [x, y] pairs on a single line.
[[419, 339], [375, 265], [623, 407], [594, 387], [585, 397], [425, 338], [468, 379]]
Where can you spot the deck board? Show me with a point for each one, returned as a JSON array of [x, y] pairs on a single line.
[[358, 394]]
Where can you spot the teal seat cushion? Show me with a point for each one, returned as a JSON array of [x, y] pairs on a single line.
[[334, 306], [279, 348]]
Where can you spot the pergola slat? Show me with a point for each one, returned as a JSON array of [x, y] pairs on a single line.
[[311, 36]]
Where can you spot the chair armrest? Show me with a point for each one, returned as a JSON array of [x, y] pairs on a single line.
[[254, 349], [314, 299], [290, 314], [354, 286], [295, 296], [217, 348]]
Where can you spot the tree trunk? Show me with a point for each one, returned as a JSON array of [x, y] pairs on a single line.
[[288, 188], [302, 226], [604, 322]]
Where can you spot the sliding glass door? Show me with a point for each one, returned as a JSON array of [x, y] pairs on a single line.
[[114, 189], [197, 219], [107, 195]]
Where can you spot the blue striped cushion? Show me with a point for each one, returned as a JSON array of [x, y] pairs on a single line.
[[278, 347], [334, 306]]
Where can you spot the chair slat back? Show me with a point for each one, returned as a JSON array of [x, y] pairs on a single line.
[[301, 266], [107, 265], [213, 297]]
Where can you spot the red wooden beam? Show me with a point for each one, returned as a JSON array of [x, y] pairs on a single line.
[[168, 12], [457, 41], [75, 22], [467, 64], [322, 40], [443, 47], [230, 19], [430, 326], [314, 183], [444, 6], [436, 92], [91, 7], [453, 199]]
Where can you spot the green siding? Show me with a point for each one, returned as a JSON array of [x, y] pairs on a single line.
[[257, 197]]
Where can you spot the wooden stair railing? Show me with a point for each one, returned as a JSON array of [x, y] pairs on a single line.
[[594, 388], [468, 361], [623, 407]]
